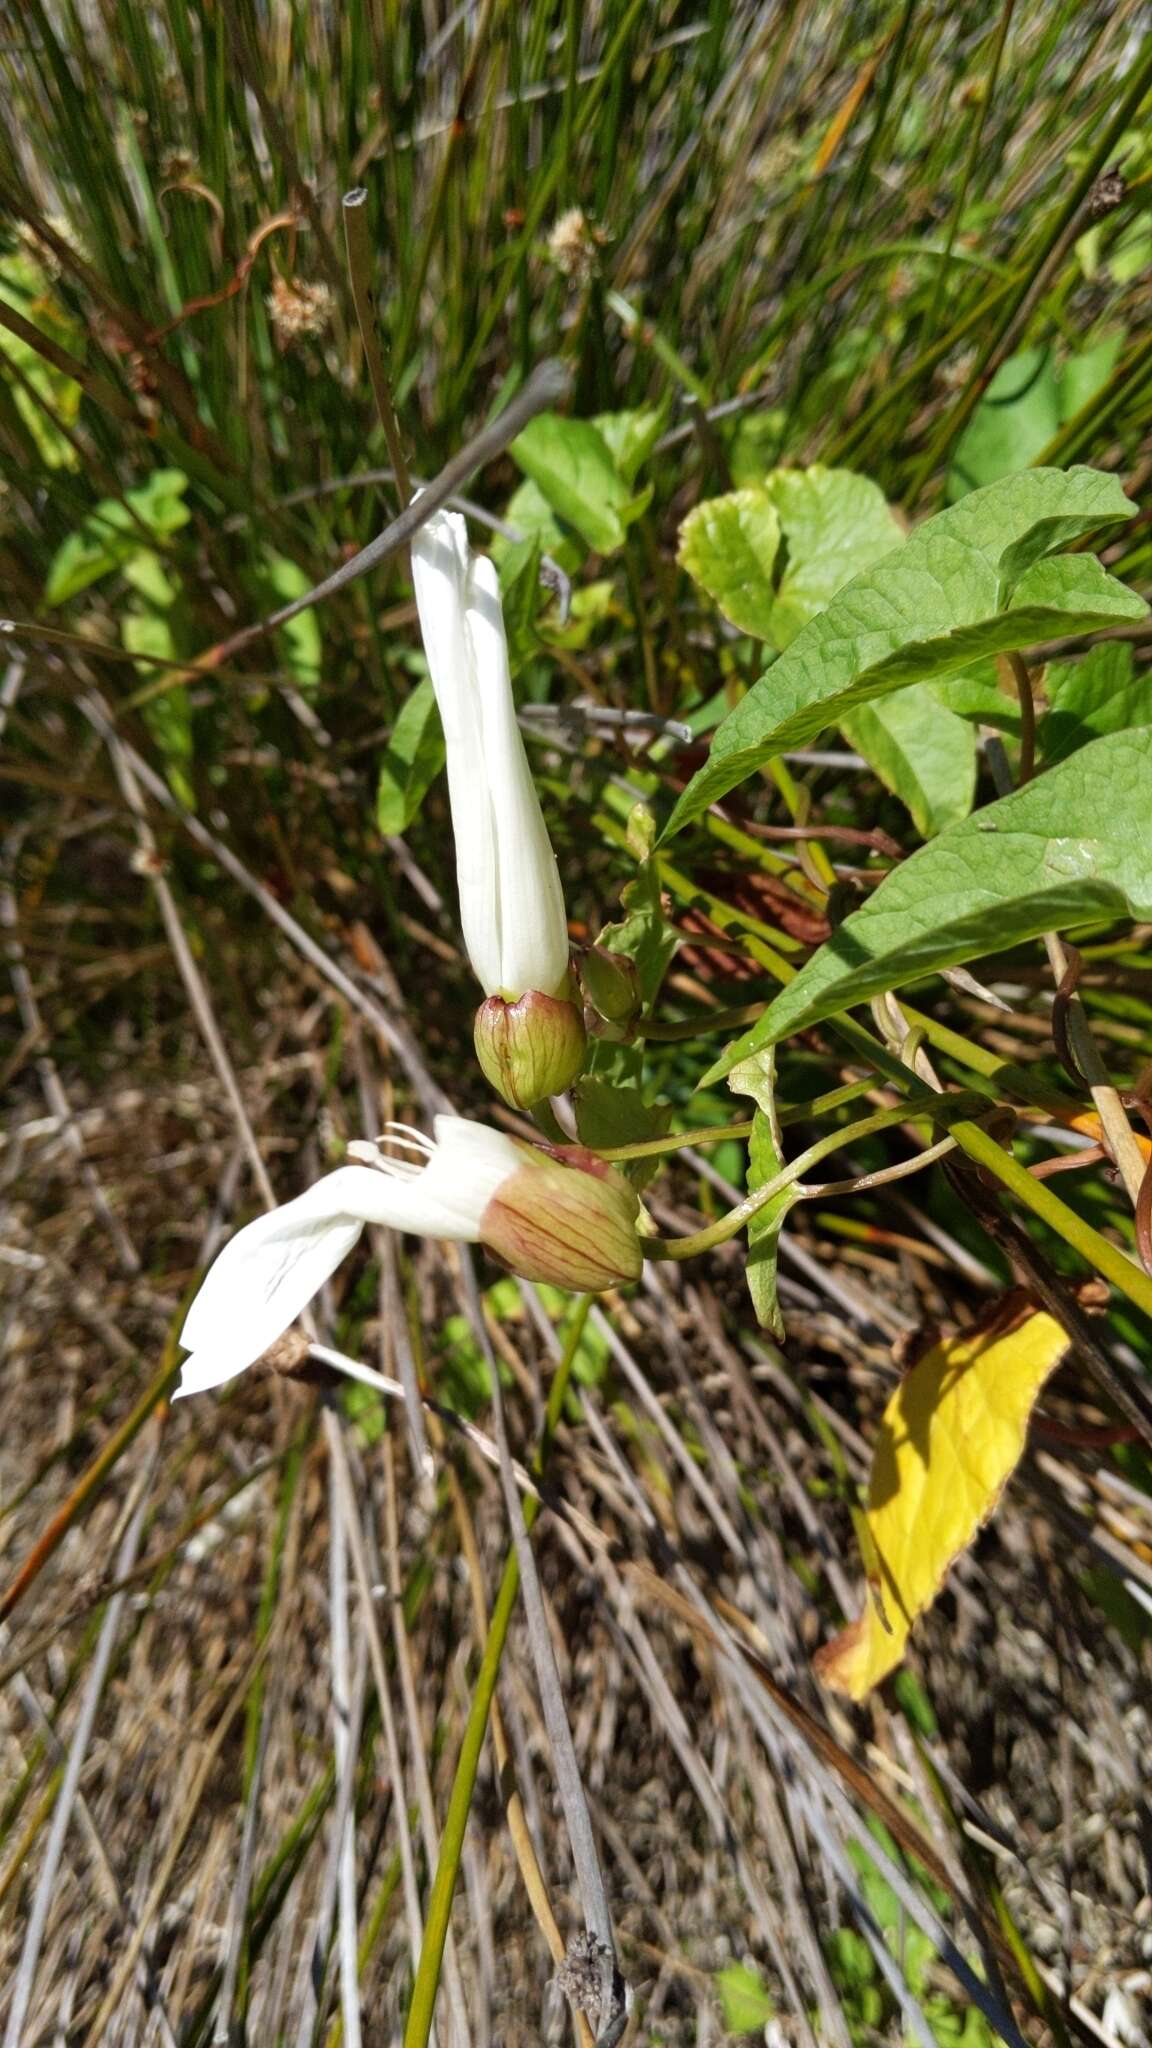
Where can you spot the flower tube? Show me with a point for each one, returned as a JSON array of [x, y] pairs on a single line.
[[572, 1223], [529, 1032]]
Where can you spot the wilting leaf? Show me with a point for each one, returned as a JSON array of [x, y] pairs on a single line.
[[414, 758], [1102, 693], [1073, 846], [950, 1438], [978, 579], [728, 546]]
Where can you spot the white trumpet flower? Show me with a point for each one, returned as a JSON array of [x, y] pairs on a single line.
[[570, 1222], [511, 902]]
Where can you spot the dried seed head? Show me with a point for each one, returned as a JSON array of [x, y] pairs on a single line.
[[579, 1976], [574, 245], [296, 309]]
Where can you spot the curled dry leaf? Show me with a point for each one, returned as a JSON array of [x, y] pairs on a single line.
[[951, 1436]]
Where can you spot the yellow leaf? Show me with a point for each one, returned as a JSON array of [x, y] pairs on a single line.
[[951, 1435]]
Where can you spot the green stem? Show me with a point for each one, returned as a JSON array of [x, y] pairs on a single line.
[[930, 1104], [1036, 1195], [714, 1134], [654, 1148], [431, 1959]]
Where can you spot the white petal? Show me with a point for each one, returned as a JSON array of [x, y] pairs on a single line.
[[262, 1280], [440, 562], [534, 946], [272, 1268], [469, 1165]]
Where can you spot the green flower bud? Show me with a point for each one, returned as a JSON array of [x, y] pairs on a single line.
[[530, 1049], [571, 1222]]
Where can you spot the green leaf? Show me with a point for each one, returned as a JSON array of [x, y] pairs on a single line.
[[110, 536], [608, 1115], [300, 637], [922, 752], [522, 599], [149, 578], [974, 581], [978, 694], [26, 283], [728, 546], [529, 512], [1072, 847], [757, 1077], [168, 717], [836, 524], [572, 465], [1030, 398], [744, 1998], [631, 437], [643, 933], [752, 443], [591, 607], [1100, 694], [414, 758]]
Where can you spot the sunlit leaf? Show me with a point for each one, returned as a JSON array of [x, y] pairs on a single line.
[[744, 1999], [1102, 693], [728, 546], [757, 1077], [631, 436], [1030, 398], [643, 933], [571, 463], [1073, 846], [836, 525], [111, 535], [300, 637], [530, 515], [833, 522], [411, 762], [921, 751], [978, 579], [949, 1440]]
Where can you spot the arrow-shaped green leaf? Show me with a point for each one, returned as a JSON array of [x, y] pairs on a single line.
[[1074, 846], [976, 580]]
